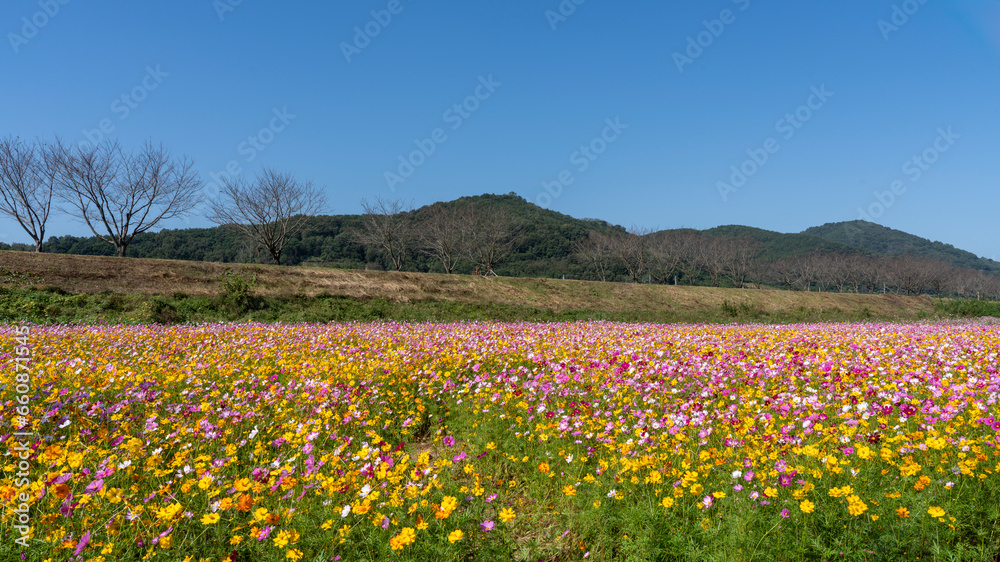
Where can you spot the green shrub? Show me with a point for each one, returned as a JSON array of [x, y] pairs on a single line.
[[969, 308], [163, 312], [236, 294]]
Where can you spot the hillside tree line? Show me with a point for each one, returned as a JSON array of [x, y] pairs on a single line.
[[122, 195]]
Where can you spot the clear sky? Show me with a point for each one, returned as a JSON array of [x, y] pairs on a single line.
[[681, 92]]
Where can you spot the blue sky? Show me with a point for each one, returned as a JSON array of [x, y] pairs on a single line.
[[244, 84]]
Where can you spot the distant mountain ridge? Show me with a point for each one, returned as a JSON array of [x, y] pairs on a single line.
[[546, 249], [878, 239]]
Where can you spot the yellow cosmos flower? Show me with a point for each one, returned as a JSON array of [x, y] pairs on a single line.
[[407, 536], [455, 536], [169, 512], [282, 539], [807, 506], [210, 518], [935, 511], [507, 515], [855, 506]]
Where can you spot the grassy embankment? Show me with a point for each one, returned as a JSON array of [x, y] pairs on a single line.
[[90, 289]]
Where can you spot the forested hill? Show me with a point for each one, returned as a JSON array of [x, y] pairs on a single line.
[[777, 245], [877, 239], [545, 248]]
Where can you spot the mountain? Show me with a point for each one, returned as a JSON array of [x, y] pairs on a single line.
[[877, 239], [546, 239], [545, 250], [779, 245]]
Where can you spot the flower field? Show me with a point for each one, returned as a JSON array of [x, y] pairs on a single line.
[[594, 441]]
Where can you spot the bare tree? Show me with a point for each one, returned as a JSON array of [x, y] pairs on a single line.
[[825, 268], [937, 274], [991, 288], [784, 272], [738, 258], [596, 251], [907, 273], [852, 270], [710, 255], [269, 210], [689, 246], [665, 253], [629, 248], [491, 235], [875, 273], [385, 224], [119, 195], [441, 234], [27, 185], [971, 283], [808, 270]]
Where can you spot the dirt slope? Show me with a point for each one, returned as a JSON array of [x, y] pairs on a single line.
[[93, 274]]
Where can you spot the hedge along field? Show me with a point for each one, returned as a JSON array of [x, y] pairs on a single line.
[[570, 441]]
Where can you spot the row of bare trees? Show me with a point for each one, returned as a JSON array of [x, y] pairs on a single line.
[[667, 256], [857, 273], [688, 256], [120, 193], [482, 233]]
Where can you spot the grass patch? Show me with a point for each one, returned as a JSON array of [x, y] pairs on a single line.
[[238, 301]]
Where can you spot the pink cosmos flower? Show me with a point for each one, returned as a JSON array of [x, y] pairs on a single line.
[[84, 541]]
